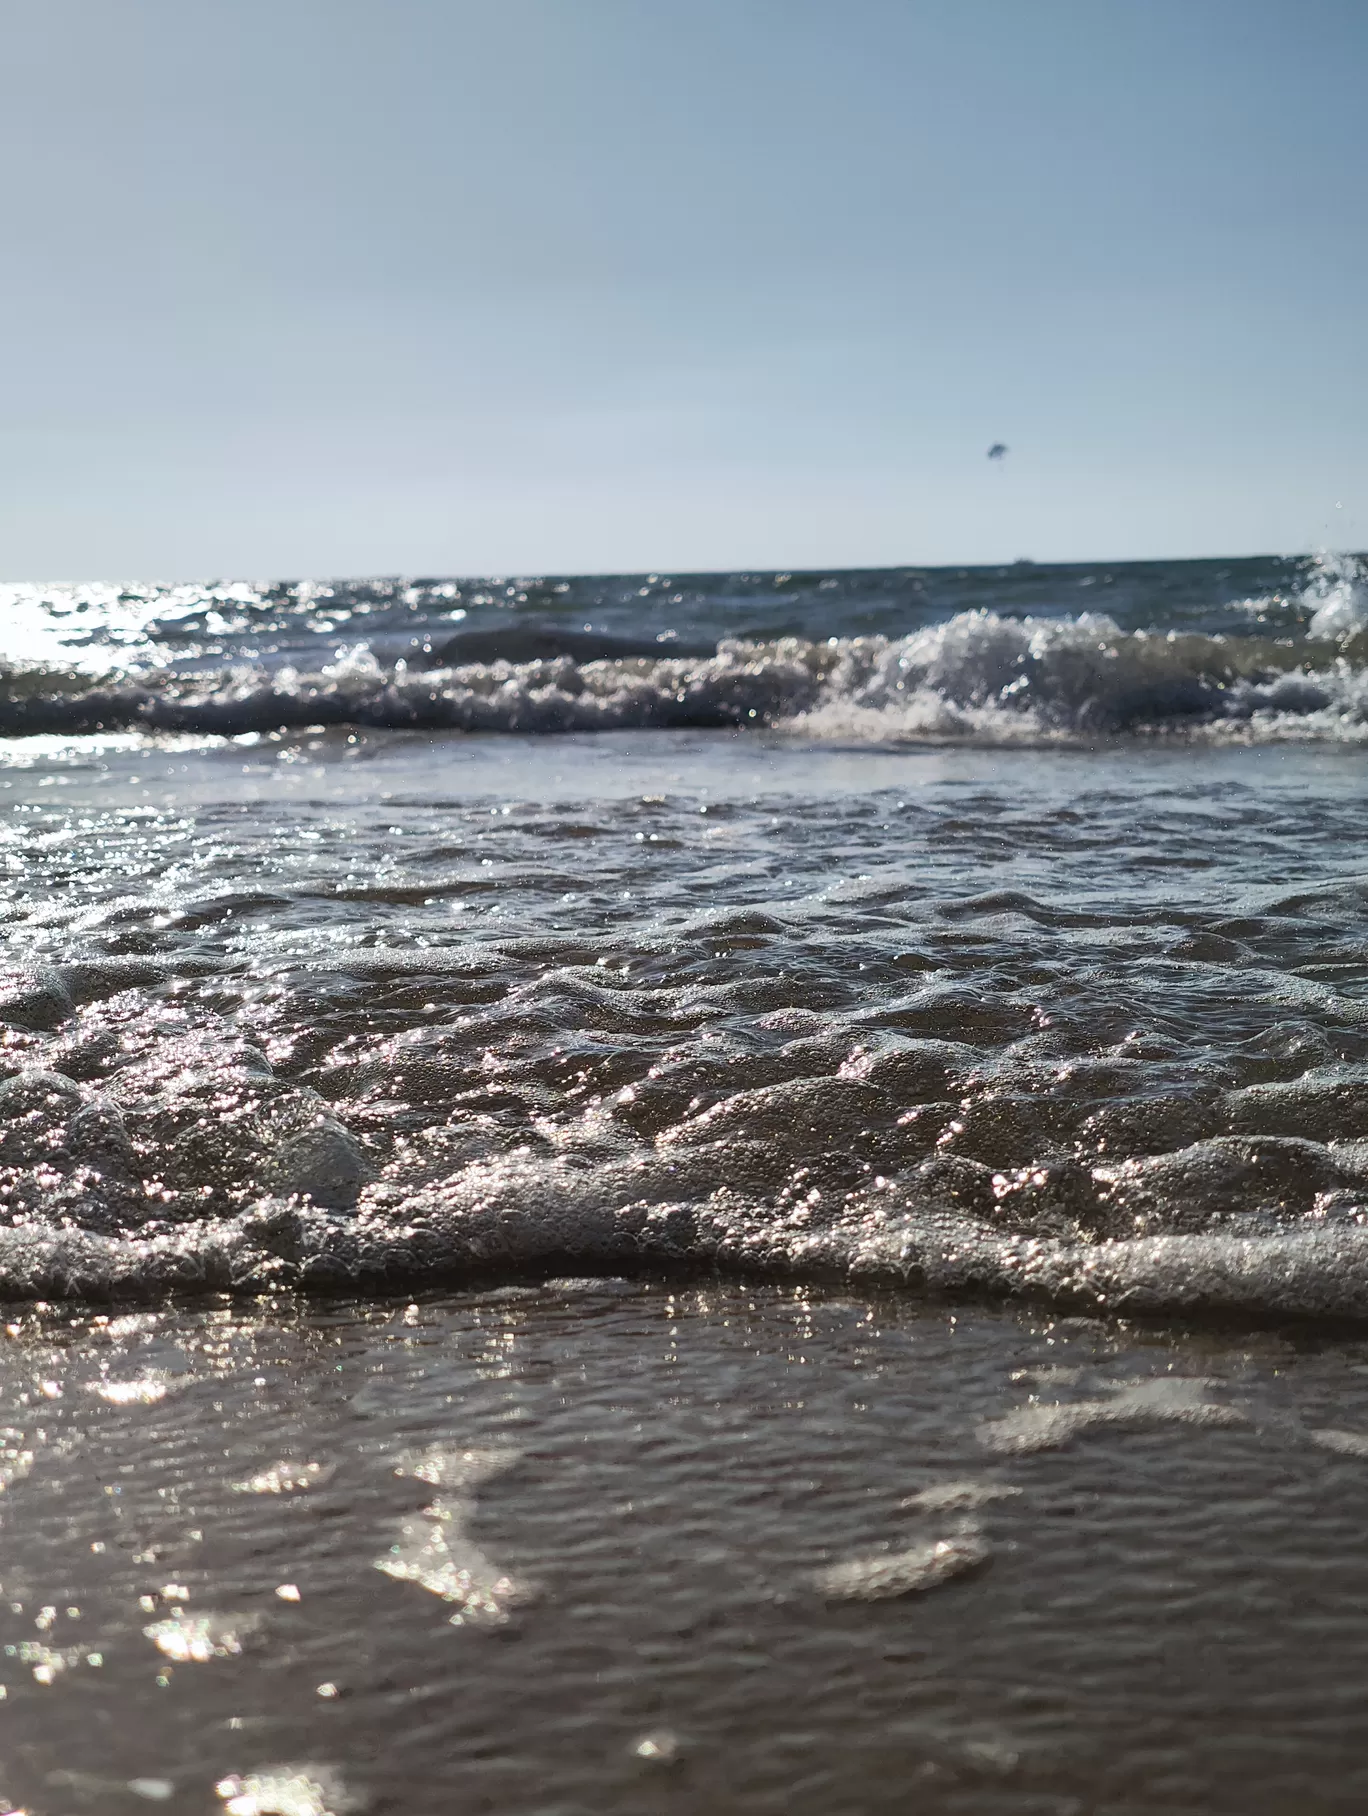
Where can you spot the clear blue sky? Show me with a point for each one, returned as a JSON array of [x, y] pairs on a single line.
[[430, 286]]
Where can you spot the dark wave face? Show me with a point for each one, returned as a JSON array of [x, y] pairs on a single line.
[[1252, 650]]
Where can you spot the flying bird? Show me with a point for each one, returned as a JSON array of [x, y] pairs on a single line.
[[998, 449]]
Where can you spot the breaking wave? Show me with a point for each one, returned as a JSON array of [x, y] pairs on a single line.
[[1252, 650], [978, 676]]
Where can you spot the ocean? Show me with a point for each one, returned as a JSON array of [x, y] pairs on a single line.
[[739, 1192]]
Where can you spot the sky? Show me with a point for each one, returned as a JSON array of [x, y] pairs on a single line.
[[329, 287]]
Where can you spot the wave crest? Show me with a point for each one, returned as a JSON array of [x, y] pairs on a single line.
[[978, 676]]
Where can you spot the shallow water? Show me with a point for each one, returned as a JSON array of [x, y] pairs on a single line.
[[930, 1033], [603, 1546], [377, 1008]]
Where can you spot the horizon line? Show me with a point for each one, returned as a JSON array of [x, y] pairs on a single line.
[[413, 577]]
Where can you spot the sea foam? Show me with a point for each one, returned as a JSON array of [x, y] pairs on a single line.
[[977, 677]]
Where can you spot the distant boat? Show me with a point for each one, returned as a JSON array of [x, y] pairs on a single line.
[[998, 449]]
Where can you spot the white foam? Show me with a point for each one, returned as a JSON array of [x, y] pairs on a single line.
[[958, 1497], [1338, 591], [286, 1790], [1347, 1443], [1155, 1400], [521, 1216], [912, 1571], [977, 676]]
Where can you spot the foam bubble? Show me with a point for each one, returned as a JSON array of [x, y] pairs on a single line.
[[1347, 1443], [958, 1497], [286, 1790], [912, 1571], [1155, 1400]]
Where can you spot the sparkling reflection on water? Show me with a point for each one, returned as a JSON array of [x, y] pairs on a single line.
[[706, 1548]]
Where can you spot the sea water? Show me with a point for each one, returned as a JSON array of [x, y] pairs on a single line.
[[917, 1023]]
